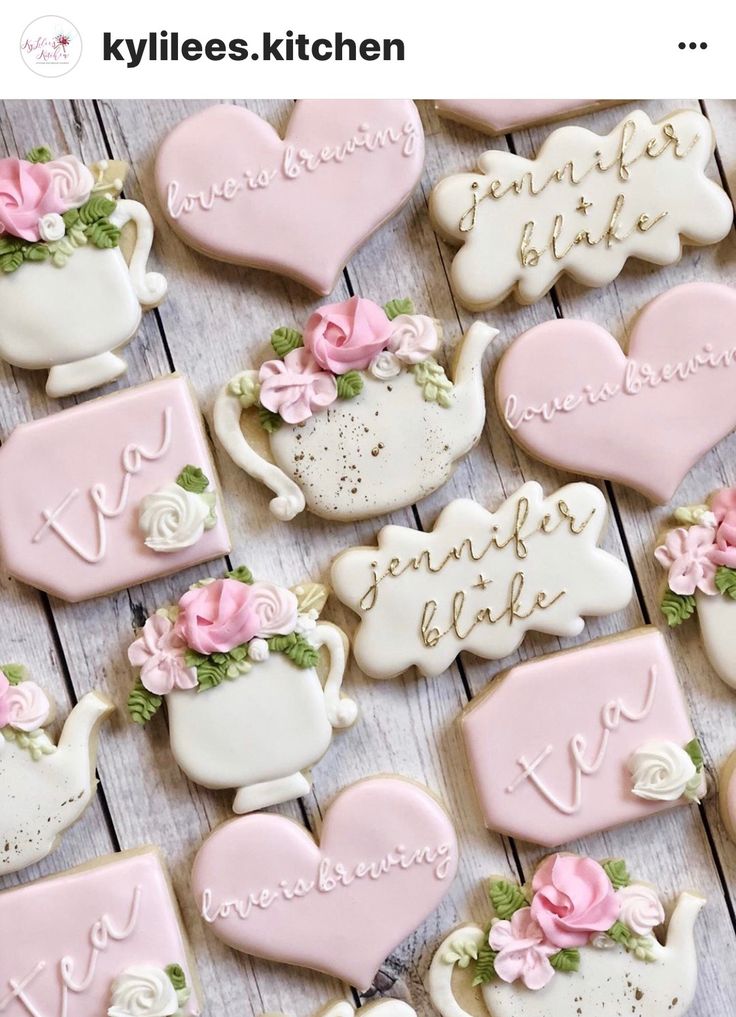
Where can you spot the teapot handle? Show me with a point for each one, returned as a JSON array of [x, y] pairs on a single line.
[[341, 711], [456, 949], [149, 287], [289, 500]]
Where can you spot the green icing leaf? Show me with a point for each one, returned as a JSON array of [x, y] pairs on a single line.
[[193, 479], [298, 649], [620, 934], [284, 340], [71, 217], [39, 154], [677, 607], [103, 234], [615, 869], [142, 704], [726, 581], [15, 673], [349, 385], [194, 659], [176, 976], [436, 386], [695, 752], [11, 261], [8, 245], [96, 209], [396, 307], [38, 252], [506, 898], [210, 674], [242, 574], [269, 421], [485, 966], [565, 960]]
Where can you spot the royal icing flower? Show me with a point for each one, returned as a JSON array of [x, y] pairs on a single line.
[[71, 181], [173, 518], [160, 654], [25, 706], [723, 506], [523, 951], [217, 617], [573, 898], [51, 227], [687, 553], [296, 386], [143, 991], [346, 336], [275, 608], [384, 366], [663, 772], [414, 338], [258, 650], [641, 908], [26, 195]]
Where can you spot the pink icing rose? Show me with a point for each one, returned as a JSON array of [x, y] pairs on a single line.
[[27, 706], [414, 338], [276, 609], [688, 554], [4, 686], [346, 337], [573, 898], [26, 194], [71, 181], [523, 951], [217, 617], [296, 386], [160, 654], [723, 505]]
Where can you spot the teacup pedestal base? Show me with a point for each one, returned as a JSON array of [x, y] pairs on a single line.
[[271, 792], [68, 379]]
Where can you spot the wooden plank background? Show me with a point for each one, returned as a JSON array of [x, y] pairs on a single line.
[[216, 321]]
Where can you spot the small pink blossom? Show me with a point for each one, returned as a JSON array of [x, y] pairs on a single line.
[[687, 553], [27, 193], [160, 654], [217, 617], [523, 951], [346, 336], [414, 338], [296, 386], [28, 706], [723, 506], [573, 898], [276, 609]]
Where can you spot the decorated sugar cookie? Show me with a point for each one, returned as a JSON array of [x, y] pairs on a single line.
[[579, 938], [727, 795], [387, 856], [380, 1008], [300, 205], [480, 580], [251, 697], [69, 299], [110, 493], [44, 788], [500, 116], [583, 207], [360, 416], [570, 396], [699, 555], [104, 938], [609, 741]]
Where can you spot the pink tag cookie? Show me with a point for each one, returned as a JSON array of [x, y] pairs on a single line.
[[500, 116], [111, 493], [609, 741], [300, 205], [570, 396], [104, 938], [387, 856]]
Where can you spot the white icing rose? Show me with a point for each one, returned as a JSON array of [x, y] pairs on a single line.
[[72, 182], [173, 518], [662, 772], [51, 227], [602, 941], [143, 991], [27, 706], [641, 908], [275, 607], [258, 650], [306, 622], [384, 366], [414, 338]]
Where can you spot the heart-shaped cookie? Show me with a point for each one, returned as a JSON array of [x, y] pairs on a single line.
[[571, 397], [387, 857], [300, 205]]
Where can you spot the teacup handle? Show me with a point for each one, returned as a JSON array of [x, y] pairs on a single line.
[[457, 950], [149, 287], [289, 500], [341, 712]]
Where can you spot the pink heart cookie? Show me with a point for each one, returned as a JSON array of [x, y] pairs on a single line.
[[387, 857], [571, 397], [300, 205]]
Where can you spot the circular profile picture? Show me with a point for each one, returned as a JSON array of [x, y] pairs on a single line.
[[50, 46]]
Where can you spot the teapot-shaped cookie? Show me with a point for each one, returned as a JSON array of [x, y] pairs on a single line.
[[44, 788], [357, 418], [68, 297], [578, 939], [251, 701]]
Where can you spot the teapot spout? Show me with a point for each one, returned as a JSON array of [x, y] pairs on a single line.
[[680, 932], [467, 377], [82, 726]]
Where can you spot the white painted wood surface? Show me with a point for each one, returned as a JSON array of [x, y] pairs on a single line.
[[216, 320]]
